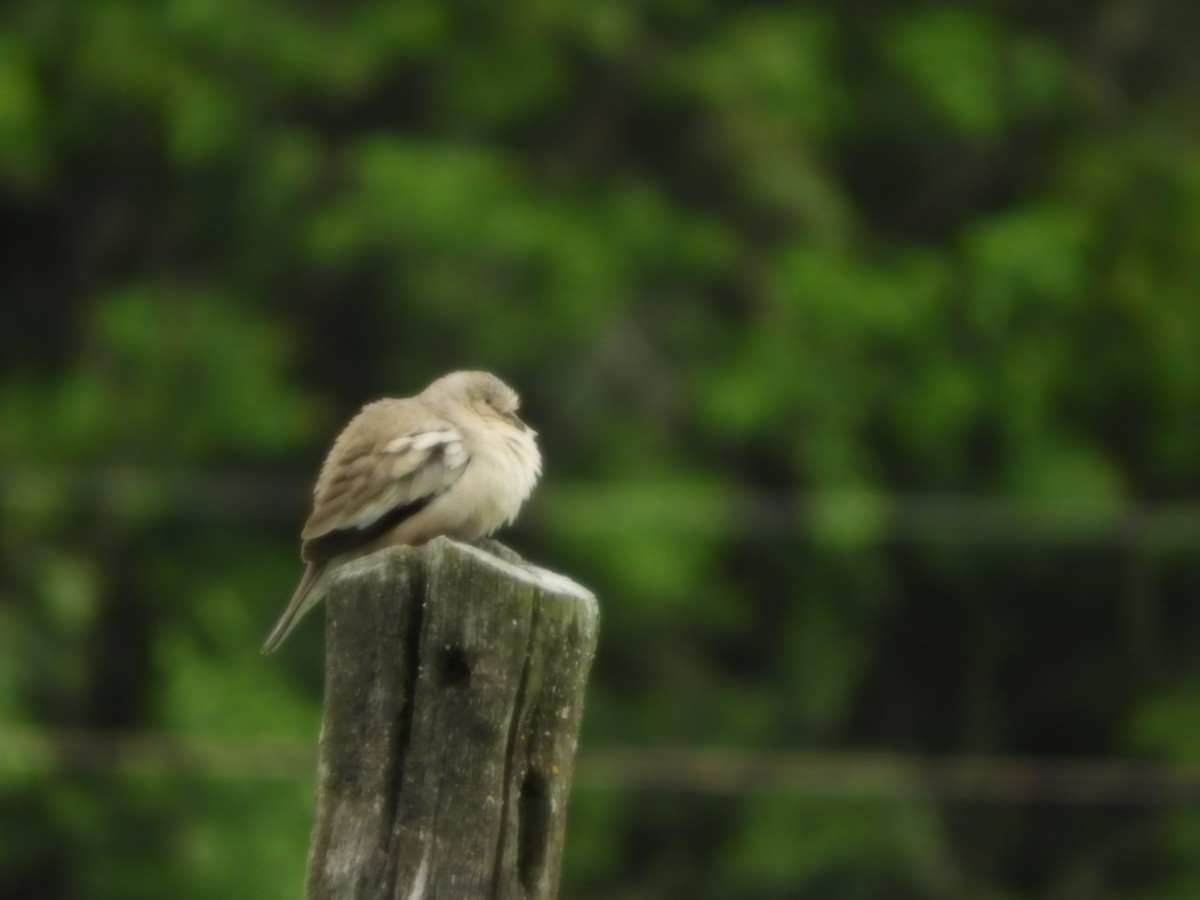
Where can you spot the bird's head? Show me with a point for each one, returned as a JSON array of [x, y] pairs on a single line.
[[480, 392]]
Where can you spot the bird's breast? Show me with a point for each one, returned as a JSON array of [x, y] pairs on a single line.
[[503, 467]]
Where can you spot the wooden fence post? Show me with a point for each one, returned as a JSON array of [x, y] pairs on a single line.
[[453, 698]]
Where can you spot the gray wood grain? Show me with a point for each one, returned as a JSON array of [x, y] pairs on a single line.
[[453, 699]]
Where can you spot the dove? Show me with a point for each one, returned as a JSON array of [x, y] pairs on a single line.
[[453, 460]]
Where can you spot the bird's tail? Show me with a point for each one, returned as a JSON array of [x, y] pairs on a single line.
[[304, 599]]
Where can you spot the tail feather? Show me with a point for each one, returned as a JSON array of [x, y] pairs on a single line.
[[304, 599]]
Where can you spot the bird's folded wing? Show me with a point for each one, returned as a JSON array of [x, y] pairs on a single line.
[[392, 459]]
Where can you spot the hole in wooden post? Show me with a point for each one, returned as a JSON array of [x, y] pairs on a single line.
[[453, 668], [533, 823]]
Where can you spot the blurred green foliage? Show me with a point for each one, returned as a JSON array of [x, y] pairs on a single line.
[[768, 276]]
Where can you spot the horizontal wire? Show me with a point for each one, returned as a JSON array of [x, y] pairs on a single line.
[[879, 776], [29, 752]]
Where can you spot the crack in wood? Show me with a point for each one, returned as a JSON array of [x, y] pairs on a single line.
[[510, 750]]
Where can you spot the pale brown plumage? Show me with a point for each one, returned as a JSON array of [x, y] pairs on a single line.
[[453, 460]]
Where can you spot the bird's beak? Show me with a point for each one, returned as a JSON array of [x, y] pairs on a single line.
[[515, 420]]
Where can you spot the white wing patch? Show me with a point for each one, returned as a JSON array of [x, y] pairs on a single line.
[[399, 445], [427, 440], [456, 455], [423, 441]]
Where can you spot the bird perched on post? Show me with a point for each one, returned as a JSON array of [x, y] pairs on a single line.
[[453, 460]]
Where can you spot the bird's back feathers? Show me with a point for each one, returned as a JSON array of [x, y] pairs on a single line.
[[394, 455]]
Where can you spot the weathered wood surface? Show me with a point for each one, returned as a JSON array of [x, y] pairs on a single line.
[[453, 698]]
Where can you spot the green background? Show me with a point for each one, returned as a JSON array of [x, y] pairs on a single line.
[[863, 339]]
